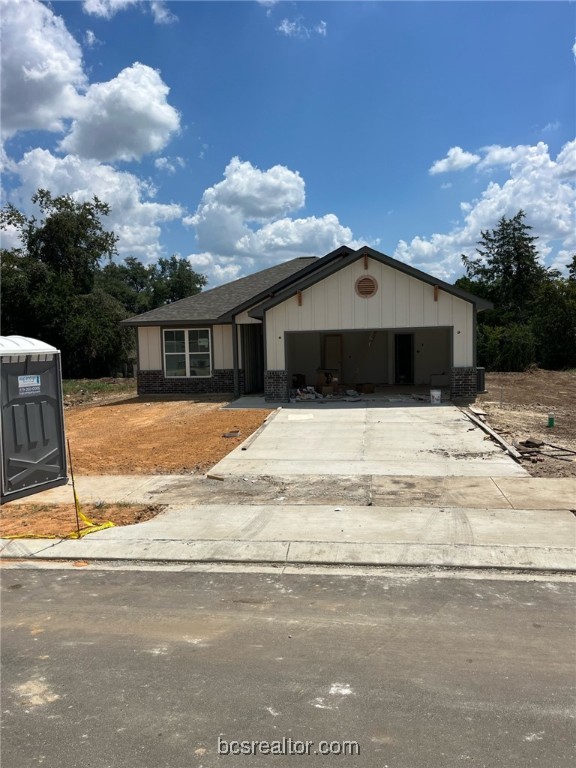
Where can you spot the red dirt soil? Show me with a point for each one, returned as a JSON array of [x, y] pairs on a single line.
[[156, 436]]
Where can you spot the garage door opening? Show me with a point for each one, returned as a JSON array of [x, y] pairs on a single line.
[[417, 358]]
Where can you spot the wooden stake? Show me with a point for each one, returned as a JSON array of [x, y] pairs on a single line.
[[74, 489]]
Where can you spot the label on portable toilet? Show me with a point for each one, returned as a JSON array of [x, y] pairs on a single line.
[[29, 385]]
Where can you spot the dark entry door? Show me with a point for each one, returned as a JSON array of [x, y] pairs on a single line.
[[404, 357], [253, 358]]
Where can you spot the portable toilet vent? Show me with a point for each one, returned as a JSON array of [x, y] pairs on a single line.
[[32, 444]]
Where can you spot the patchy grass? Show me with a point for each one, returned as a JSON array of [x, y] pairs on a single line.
[[80, 391]]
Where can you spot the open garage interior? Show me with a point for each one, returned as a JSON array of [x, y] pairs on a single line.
[[418, 357]]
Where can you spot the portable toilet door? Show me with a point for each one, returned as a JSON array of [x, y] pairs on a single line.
[[32, 442]]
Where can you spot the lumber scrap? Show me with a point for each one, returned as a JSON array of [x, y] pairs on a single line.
[[500, 440]]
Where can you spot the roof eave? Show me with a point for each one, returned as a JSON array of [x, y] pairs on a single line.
[[174, 323]]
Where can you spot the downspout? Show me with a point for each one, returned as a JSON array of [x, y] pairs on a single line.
[[235, 373]]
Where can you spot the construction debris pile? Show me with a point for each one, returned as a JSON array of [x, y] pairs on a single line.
[[538, 450], [530, 449]]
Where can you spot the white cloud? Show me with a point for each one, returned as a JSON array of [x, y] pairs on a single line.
[[169, 164], [241, 222], [124, 118], [298, 29], [497, 155], [161, 14], [90, 39], [566, 161], [42, 71], [245, 194], [536, 183], [135, 217], [574, 49], [297, 237], [455, 160], [219, 269], [107, 9]]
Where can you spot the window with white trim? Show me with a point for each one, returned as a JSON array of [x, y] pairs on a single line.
[[187, 352]]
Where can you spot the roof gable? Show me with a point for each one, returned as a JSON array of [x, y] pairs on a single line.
[[324, 269]]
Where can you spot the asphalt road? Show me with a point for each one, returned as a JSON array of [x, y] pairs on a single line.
[[136, 669]]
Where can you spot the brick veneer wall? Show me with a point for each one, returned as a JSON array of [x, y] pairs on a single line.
[[155, 383], [463, 384], [276, 386]]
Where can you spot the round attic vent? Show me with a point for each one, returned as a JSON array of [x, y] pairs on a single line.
[[366, 286]]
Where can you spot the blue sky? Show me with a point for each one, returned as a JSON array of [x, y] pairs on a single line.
[[241, 134]]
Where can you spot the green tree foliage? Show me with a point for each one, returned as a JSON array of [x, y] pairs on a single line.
[[534, 315], [507, 270], [554, 324], [62, 286], [506, 348], [140, 288], [70, 239]]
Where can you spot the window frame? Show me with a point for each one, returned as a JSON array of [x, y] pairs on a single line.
[[187, 354]]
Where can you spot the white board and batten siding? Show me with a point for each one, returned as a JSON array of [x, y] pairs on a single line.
[[222, 355], [150, 348], [401, 302]]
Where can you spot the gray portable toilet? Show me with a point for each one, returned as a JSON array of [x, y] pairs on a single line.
[[32, 443]]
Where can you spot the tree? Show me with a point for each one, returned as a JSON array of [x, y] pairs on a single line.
[[554, 324], [175, 279], [507, 271], [70, 239], [534, 318], [61, 285], [140, 288]]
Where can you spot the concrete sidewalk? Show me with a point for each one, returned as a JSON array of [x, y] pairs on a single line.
[[281, 535], [454, 491]]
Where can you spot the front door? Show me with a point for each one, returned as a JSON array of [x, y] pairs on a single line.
[[404, 358]]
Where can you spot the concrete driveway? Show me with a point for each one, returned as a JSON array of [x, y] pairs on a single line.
[[370, 439]]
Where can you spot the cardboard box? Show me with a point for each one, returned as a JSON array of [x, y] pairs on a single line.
[[365, 389], [327, 390]]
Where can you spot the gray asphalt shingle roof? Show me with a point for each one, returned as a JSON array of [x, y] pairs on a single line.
[[273, 285], [209, 306]]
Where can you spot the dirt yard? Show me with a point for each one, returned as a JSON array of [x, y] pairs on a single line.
[[59, 520], [156, 436], [517, 407]]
